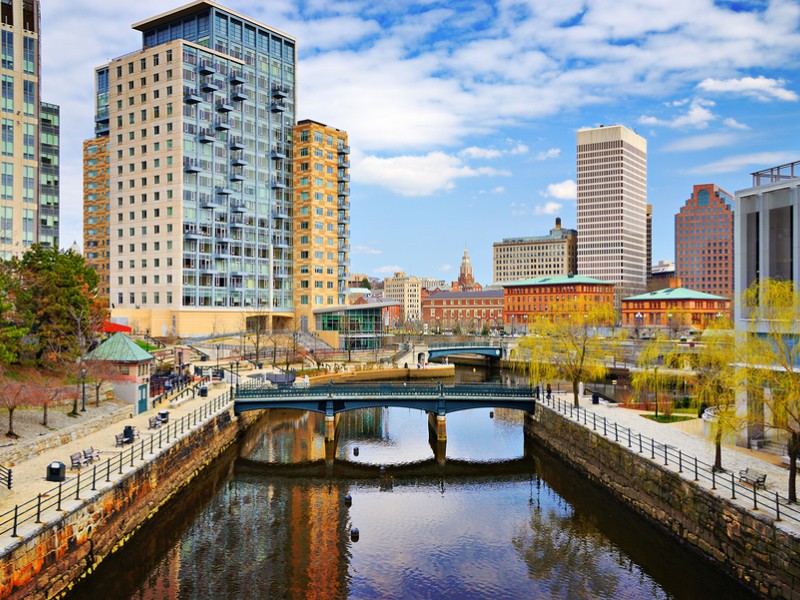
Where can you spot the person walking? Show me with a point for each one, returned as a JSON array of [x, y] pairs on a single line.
[[549, 391]]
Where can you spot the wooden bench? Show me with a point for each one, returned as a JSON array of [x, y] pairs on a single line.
[[754, 478], [154, 423], [90, 454], [120, 439], [77, 460]]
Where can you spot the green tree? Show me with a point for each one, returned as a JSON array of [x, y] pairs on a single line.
[[717, 380], [564, 345], [366, 284], [653, 366], [773, 357], [11, 331]]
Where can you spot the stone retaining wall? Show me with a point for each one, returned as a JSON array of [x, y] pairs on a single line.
[[45, 564], [25, 450], [744, 544]]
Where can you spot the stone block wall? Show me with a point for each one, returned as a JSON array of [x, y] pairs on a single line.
[[745, 544], [47, 562]]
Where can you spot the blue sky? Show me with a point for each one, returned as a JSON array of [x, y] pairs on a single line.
[[462, 115]]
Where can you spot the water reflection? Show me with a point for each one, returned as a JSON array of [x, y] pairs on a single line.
[[496, 518]]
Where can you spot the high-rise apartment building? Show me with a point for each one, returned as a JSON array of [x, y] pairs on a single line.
[[704, 241], [612, 208], [537, 256], [321, 218], [199, 130], [96, 210], [407, 290], [30, 136]]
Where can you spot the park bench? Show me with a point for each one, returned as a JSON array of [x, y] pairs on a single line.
[[754, 478], [120, 439], [90, 454], [154, 423], [77, 460]]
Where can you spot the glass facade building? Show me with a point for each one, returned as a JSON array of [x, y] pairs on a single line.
[[199, 124]]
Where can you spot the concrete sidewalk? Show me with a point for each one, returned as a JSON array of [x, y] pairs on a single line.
[[29, 476], [688, 437]]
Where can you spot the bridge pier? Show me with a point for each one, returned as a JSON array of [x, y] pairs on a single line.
[[438, 426], [330, 428]]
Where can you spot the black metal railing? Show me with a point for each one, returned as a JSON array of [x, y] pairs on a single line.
[[100, 472], [256, 389], [669, 456], [5, 477]]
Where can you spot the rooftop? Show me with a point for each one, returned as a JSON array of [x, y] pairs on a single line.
[[120, 348], [776, 174], [677, 293], [496, 294], [557, 280]]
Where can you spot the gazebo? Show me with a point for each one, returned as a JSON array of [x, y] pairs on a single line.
[[134, 364]]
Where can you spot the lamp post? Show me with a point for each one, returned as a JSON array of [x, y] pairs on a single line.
[[237, 374], [217, 346], [656, 385], [638, 322], [83, 390]]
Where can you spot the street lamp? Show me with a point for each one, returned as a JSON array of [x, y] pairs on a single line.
[[237, 374], [638, 322], [217, 346], [83, 390]]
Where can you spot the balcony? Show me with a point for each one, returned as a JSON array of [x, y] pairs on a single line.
[[344, 177], [192, 97], [280, 243], [102, 127], [224, 106], [192, 234], [237, 144], [236, 176], [223, 191], [239, 206], [280, 214], [210, 86], [222, 125], [277, 107], [279, 91], [239, 162], [210, 202], [344, 202], [191, 166], [344, 247], [344, 162], [238, 96], [206, 137], [207, 68], [277, 183], [343, 217], [277, 152], [238, 78], [343, 149], [344, 191]]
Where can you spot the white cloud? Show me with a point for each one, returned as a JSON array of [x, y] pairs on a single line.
[[734, 124], [360, 249], [548, 208], [564, 190], [745, 162], [697, 116], [446, 267], [550, 153], [519, 210], [417, 175], [518, 149], [474, 152], [498, 190], [702, 142], [388, 270], [761, 88]]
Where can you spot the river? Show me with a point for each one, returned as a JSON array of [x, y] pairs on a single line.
[[497, 518]]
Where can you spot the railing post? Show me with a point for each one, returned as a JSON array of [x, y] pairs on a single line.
[[640, 443], [616, 436], [666, 459], [713, 479], [755, 497], [38, 508], [680, 460], [120, 463], [605, 423], [777, 507], [94, 478], [159, 438], [695, 469], [652, 449], [594, 421], [59, 496], [733, 488], [16, 512], [78, 486], [108, 469]]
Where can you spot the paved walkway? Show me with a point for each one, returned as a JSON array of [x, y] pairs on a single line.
[[29, 476], [689, 438]]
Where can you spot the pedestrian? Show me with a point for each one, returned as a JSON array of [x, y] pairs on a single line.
[[549, 391]]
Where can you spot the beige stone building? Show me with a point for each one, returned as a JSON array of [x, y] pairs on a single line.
[[537, 256], [407, 290], [612, 208], [321, 219], [199, 126]]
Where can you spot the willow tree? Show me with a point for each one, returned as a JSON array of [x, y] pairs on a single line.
[[716, 381], [564, 345], [773, 359], [655, 365]]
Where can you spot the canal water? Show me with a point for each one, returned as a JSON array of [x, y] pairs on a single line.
[[486, 515]]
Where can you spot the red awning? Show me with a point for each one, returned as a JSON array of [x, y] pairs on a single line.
[[109, 327]]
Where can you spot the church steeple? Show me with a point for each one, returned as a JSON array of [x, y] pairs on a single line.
[[465, 278]]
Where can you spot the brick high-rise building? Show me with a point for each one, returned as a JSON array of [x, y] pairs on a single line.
[[96, 210], [29, 190], [612, 208], [321, 219], [704, 241], [198, 125]]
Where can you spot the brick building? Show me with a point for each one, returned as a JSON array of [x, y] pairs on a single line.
[[674, 308], [466, 311]]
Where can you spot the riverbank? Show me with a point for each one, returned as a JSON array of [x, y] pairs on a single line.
[[66, 530]]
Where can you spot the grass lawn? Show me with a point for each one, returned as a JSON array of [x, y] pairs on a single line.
[[671, 419]]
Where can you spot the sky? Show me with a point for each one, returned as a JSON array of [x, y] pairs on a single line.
[[462, 115]]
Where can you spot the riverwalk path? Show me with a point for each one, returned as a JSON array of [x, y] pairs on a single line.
[[30, 475]]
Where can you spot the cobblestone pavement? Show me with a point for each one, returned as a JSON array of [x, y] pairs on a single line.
[[689, 438]]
